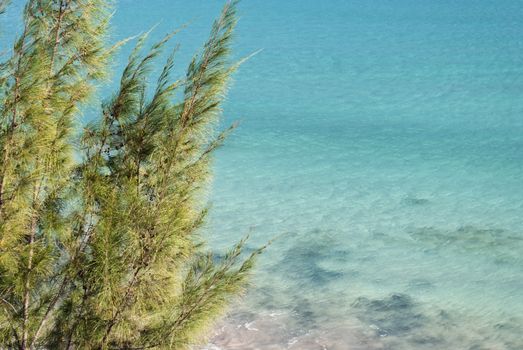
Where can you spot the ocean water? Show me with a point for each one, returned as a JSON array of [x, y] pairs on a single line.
[[381, 143]]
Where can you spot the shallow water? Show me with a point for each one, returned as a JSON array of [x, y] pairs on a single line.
[[381, 141]]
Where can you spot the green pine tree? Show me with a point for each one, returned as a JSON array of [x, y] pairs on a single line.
[[99, 243]]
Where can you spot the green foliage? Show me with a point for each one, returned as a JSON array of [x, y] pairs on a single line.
[[103, 252]]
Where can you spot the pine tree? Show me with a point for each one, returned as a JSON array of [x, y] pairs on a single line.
[[99, 244]]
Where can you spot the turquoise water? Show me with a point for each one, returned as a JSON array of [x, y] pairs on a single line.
[[384, 139], [381, 141]]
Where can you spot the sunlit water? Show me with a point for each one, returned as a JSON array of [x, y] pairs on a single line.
[[381, 141]]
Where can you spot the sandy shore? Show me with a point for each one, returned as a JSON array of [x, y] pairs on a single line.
[[273, 331], [279, 331]]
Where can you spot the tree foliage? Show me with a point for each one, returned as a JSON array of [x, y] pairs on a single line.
[[98, 232]]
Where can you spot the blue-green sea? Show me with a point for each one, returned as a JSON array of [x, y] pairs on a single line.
[[381, 144]]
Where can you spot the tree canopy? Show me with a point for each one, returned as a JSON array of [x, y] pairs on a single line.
[[99, 223]]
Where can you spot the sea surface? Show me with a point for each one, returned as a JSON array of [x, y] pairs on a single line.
[[381, 144]]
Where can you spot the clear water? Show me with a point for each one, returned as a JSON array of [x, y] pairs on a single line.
[[381, 141], [384, 140]]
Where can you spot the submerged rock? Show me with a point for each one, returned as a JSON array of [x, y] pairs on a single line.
[[310, 259], [420, 283], [413, 201], [502, 245], [394, 315]]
